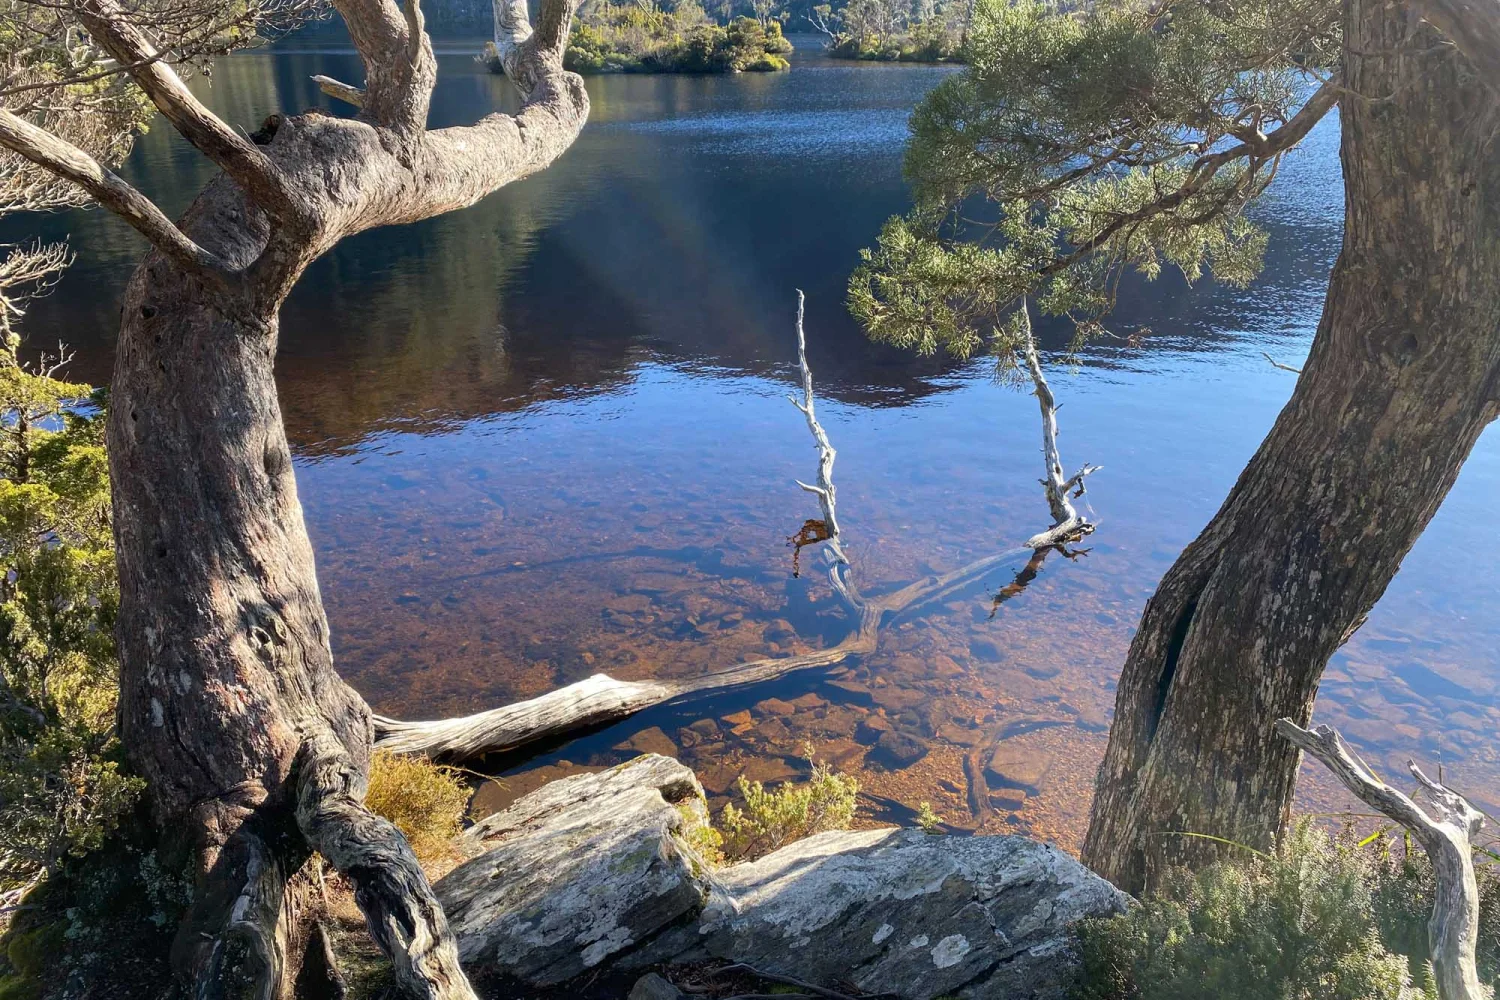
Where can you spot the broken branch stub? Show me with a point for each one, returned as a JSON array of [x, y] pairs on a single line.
[[1447, 835]]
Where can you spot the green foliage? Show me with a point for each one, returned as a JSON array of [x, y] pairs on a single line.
[[62, 789], [1325, 918], [424, 800], [928, 819], [1079, 145], [771, 818], [631, 38], [881, 30]]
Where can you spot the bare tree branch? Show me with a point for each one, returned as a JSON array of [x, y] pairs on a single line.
[[400, 68], [824, 490], [1447, 837], [1067, 523], [337, 89], [1278, 364], [235, 154], [68, 161]]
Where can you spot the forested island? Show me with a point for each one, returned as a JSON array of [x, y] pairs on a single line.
[[647, 38], [194, 802]]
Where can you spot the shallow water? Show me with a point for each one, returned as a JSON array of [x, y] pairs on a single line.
[[547, 436]]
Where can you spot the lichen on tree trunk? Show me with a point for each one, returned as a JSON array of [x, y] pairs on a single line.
[[1401, 379]]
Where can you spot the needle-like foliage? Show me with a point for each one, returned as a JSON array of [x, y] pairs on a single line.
[[1080, 145]]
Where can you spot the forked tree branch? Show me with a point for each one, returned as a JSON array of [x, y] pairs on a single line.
[[400, 68], [110, 190], [234, 153], [1205, 168], [1447, 836]]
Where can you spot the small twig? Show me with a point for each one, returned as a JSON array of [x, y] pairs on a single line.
[[1278, 364]]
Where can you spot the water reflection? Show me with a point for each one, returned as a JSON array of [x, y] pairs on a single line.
[[547, 437]]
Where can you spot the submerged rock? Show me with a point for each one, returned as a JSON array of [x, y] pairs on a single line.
[[896, 750], [593, 870]]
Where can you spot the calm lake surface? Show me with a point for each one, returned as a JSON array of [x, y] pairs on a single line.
[[547, 437]]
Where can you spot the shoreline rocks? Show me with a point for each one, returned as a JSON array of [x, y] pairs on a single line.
[[597, 870]]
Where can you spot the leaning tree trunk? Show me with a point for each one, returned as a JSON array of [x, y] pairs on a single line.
[[1403, 375]]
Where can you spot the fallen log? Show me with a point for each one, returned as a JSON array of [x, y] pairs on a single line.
[[601, 698]]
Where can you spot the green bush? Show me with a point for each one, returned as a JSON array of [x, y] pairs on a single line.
[[1325, 918], [62, 787], [772, 818]]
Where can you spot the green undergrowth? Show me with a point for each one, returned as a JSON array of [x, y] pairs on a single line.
[[1324, 918], [774, 817], [100, 926]]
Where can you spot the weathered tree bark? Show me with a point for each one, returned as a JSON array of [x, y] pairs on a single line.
[[1403, 375], [254, 751], [1448, 838]]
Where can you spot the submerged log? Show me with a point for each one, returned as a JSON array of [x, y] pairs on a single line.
[[601, 698]]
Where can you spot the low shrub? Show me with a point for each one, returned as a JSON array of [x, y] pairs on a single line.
[[1324, 918], [63, 787], [424, 800], [791, 811]]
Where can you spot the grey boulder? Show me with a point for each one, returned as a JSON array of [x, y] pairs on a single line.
[[903, 912], [576, 871], [593, 870]]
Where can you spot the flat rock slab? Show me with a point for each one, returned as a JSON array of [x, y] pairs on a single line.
[[1019, 767], [576, 871], [901, 912], [589, 870]]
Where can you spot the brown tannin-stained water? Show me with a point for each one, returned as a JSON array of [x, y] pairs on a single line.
[[548, 437]]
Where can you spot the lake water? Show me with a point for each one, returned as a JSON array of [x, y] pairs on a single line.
[[547, 436]]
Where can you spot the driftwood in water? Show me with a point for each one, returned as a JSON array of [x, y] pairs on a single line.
[[600, 699], [1067, 524], [1446, 833]]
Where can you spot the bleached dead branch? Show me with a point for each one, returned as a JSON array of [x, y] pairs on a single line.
[[1446, 833]]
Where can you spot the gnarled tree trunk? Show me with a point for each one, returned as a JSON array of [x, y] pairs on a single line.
[[254, 751], [1401, 379]]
